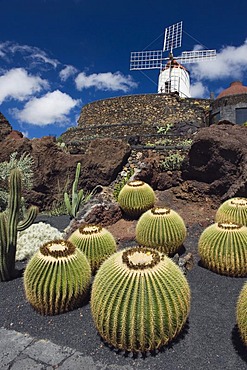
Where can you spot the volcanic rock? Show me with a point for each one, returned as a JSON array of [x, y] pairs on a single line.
[[218, 157]]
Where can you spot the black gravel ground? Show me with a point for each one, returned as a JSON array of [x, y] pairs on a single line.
[[210, 339]]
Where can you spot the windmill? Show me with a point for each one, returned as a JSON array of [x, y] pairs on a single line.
[[173, 77]]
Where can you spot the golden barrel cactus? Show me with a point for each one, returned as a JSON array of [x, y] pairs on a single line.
[[223, 248], [57, 278], [96, 242], [242, 313], [140, 300], [136, 197], [233, 210], [162, 229]]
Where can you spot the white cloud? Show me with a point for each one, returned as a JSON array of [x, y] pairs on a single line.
[[18, 84], [67, 72], [36, 55], [105, 81], [230, 62], [198, 90], [51, 108]]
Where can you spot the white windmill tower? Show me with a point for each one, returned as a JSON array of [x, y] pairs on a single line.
[[173, 77]]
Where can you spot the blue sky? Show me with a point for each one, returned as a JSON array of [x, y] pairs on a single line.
[[58, 55]]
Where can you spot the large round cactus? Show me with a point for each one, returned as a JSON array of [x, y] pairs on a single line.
[[233, 210], [136, 197], [162, 229], [140, 299], [57, 278], [242, 313], [223, 248], [96, 242]]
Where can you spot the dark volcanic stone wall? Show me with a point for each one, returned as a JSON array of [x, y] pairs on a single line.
[[225, 107], [149, 109]]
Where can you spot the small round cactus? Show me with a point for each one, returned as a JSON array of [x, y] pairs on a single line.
[[223, 248], [96, 242], [57, 278], [242, 313], [233, 210], [140, 300], [162, 229], [136, 197]]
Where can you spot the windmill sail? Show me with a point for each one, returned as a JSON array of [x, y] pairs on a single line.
[[173, 75]]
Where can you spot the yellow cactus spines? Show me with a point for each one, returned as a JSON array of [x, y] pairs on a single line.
[[223, 248], [140, 300], [57, 278], [242, 313], [96, 242], [233, 210], [136, 197], [162, 229]]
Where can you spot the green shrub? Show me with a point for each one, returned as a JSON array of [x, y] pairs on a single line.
[[120, 184], [172, 162], [25, 165]]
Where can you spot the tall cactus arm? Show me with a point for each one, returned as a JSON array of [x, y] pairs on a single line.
[[14, 207], [73, 206], [3, 247], [67, 203], [29, 219]]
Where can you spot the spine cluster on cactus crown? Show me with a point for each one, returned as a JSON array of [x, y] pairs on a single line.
[[57, 278], [233, 210], [242, 313], [136, 197], [162, 229], [140, 299], [223, 248], [96, 242]]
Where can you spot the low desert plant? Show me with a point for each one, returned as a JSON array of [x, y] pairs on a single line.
[[140, 300], [241, 313], [172, 162], [96, 242], [162, 229], [31, 239], [120, 184], [223, 248], [25, 165], [233, 210], [136, 197], [57, 278]]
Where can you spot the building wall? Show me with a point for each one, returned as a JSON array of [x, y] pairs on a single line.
[[225, 107]]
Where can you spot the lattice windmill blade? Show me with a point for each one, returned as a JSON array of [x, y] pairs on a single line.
[[197, 56], [173, 37], [145, 59]]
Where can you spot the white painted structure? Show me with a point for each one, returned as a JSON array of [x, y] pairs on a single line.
[[173, 77]]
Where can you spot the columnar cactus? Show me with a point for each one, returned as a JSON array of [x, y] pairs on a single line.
[[223, 248], [242, 313], [233, 210], [10, 225], [76, 197], [136, 197], [140, 299], [57, 278], [96, 242], [162, 229]]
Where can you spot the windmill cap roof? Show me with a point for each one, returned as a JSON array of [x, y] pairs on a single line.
[[174, 64], [235, 88]]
